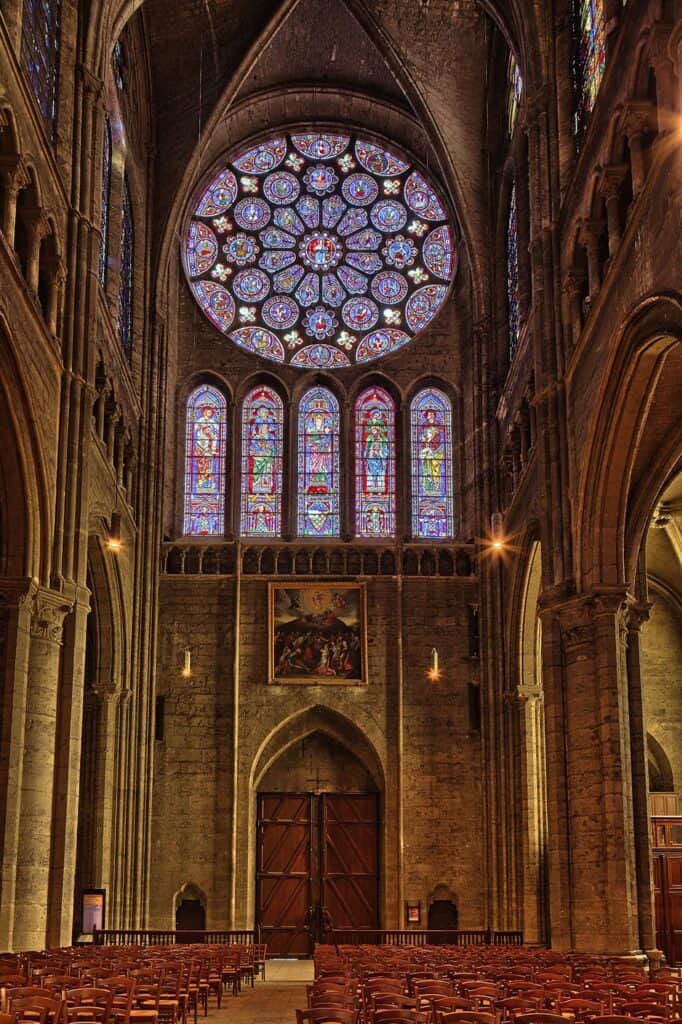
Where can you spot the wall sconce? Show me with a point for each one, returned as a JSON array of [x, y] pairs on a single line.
[[187, 663], [497, 531], [434, 668], [114, 539]]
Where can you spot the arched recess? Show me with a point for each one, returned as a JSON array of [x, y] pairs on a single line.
[[660, 769], [637, 442], [105, 659], [189, 908], [531, 759], [324, 721]]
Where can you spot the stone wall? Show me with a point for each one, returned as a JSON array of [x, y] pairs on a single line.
[[661, 647]]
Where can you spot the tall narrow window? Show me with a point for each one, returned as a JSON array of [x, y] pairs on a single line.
[[262, 436], [432, 501], [40, 54], [318, 465], [513, 303], [589, 57], [514, 93], [205, 452], [374, 464], [106, 189], [125, 294]]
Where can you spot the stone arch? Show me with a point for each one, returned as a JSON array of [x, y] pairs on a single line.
[[660, 768], [322, 720], [25, 515], [108, 613], [637, 442]]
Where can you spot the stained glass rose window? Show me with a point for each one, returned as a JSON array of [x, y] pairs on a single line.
[[320, 249]]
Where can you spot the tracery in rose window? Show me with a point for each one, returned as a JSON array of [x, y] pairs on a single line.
[[320, 249]]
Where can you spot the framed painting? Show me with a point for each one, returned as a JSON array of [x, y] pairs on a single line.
[[317, 633]]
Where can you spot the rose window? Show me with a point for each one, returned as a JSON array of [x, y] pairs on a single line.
[[320, 250]]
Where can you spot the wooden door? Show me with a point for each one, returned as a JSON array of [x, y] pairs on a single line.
[[668, 903], [284, 871], [350, 859]]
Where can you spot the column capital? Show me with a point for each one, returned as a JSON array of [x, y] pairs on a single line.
[[610, 179], [16, 593], [13, 172], [639, 116], [50, 608]]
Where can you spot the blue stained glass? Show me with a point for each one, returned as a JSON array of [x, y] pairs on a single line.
[[318, 464], [375, 464], [432, 491], [513, 301], [514, 92], [589, 57], [262, 439], [40, 54], [205, 451], [106, 188], [125, 292]]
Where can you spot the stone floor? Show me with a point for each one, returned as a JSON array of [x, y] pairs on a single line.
[[272, 1001]]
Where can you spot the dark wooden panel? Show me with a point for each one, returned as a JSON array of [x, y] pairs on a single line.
[[283, 882], [350, 868], [668, 904]]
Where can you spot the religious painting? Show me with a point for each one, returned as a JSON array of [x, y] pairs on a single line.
[[413, 912], [317, 633]]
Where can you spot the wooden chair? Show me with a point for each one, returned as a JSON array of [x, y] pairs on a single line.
[[88, 1004], [260, 954], [394, 1015], [432, 987], [616, 1018], [326, 1015], [470, 1017], [582, 1009], [542, 1018], [37, 1009], [648, 1010], [6, 1018]]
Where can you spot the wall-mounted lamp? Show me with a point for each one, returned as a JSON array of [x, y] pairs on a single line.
[[497, 531], [434, 669], [187, 663], [114, 539]]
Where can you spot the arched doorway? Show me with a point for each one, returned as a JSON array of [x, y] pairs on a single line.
[[317, 858]]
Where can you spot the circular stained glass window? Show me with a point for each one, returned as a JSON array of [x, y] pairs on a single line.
[[320, 250]]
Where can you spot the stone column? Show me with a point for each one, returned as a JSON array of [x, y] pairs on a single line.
[[573, 286], [596, 735], [36, 228], [14, 177], [533, 839], [37, 784], [16, 603], [638, 120], [590, 232], [610, 183]]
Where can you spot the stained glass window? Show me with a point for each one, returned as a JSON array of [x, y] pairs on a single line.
[[432, 501], [40, 54], [320, 249], [374, 464], [514, 93], [318, 465], [118, 64], [589, 57], [262, 438], [106, 187], [205, 452], [125, 293], [513, 304]]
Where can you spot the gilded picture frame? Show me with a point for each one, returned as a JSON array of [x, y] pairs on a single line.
[[317, 634]]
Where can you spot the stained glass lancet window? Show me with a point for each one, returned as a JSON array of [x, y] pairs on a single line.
[[318, 465], [374, 464], [589, 57], [262, 430], [40, 53], [125, 293], [513, 304], [205, 453], [106, 188], [432, 491], [514, 93]]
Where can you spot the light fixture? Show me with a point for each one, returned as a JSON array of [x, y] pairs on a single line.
[[114, 539], [497, 531], [434, 670], [187, 663]]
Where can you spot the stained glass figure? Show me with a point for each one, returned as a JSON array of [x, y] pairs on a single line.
[[375, 464], [513, 302], [589, 57], [40, 31], [118, 64], [318, 465], [262, 439], [432, 494], [106, 189], [205, 453], [329, 250], [125, 292], [514, 93]]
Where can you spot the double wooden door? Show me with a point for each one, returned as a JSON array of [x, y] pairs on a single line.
[[317, 859]]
